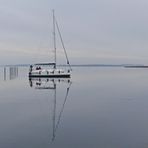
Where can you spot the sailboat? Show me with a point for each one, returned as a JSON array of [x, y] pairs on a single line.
[[50, 69]]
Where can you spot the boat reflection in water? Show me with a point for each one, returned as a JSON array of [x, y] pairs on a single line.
[[51, 84]]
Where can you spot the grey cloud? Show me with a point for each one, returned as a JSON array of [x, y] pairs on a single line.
[[111, 27]]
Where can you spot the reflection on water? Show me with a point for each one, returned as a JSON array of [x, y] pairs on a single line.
[[51, 84], [10, 73], [47, 83], [103, 108]]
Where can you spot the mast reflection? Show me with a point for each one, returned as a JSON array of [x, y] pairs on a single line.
[[51, 84]]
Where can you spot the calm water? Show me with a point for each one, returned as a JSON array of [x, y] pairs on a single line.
[[97, 108]]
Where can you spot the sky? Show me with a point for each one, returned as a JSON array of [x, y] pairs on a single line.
[[94, 31]]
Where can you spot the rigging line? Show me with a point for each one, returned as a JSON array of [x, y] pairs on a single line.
[[59, 118], [62, 43]]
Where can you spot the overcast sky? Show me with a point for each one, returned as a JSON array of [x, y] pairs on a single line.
[[94, 31]]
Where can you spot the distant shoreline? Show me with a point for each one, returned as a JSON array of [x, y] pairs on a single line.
[[85, 65], [73, 65], [136, 66]]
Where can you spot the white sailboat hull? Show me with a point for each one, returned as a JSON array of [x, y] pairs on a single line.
[[56, 73]]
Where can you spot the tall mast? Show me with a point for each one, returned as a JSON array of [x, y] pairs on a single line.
[[54, 40]]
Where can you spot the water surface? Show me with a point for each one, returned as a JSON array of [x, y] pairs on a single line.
[[97, 108]]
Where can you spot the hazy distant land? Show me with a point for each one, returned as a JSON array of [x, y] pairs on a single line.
[[88, 65]]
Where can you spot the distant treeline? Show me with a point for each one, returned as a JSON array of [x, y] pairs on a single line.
[[84, 65]]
